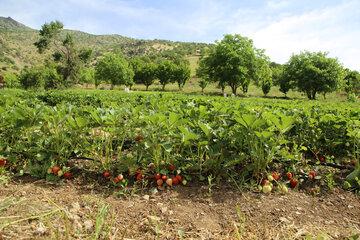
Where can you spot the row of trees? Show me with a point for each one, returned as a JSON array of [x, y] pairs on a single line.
[[69, 66], [116, 70], [235, 62]]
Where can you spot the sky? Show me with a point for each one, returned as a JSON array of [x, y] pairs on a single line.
[[281, 27]]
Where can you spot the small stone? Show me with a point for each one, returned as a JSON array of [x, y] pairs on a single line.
[[329, 222], [164, 209], [350, 207], [88, 224], [298, 213], [154, 191], [284, 220], [146, 197], [153, 218]]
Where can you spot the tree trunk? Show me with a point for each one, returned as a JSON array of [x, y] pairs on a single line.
[[147, 87], [163, 87]]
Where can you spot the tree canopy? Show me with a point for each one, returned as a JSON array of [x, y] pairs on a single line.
[[65, 53], [114, 69], [233, 62], [312, 73]]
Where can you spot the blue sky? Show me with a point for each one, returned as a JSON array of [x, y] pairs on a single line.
[[281, 27]]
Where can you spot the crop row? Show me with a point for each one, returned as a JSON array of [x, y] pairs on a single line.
[[200, 136]]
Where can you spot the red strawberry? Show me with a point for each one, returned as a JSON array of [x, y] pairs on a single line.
[[67, 175], [120, 177], [265, 182], [275, 176], [159, 182], [106, 174], [138, 177], [175, 180], [312, 174], [294, 183], [55, 170], [289, 175], [178, 176], [322, 159], [172, 167], [157, 176], [163, 177], [138, 138]]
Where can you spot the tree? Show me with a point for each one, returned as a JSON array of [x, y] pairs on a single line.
[[12, 80], [164, 73], [232, 62], [113, 69], [147, 74], [313, 73], [263, 73], [86, 76], [65, 54], [352, 81], [43, 77], [181, 74]]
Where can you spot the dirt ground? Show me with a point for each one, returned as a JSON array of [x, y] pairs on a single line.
[[76, 209]]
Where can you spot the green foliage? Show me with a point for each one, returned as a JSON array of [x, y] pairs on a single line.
[[147, 74], [114, 69], [263, 75], [232, 63], [65, 54], [12, 81], [312, 73], [165, 72], [181, 74], [86, 76], [352, 81], [43, 77]]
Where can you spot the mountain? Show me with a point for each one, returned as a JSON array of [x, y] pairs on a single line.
[[17, 48]]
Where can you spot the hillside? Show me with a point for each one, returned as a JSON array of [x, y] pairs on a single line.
[[17, 48]]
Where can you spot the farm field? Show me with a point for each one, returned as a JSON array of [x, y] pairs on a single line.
[[91, 164]]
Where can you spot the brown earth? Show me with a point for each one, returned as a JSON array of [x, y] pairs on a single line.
[[35, 209]]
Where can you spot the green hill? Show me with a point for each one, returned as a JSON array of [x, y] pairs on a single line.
[[17, 48]]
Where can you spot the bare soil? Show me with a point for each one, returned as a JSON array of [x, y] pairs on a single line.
[[36, 209]]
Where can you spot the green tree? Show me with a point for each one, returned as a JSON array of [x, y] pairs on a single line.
[[42, 77], [263, 73], [12, 80], [165, 72], [313, 73], [181, 74], [86, 76], [147, 74], [65, 53], [113, 69], [232, 62], [352, 81]]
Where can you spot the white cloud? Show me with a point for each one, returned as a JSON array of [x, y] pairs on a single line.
[[331, 30]]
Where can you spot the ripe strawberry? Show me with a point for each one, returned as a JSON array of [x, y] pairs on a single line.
[[178, 176], [312, 174], [2, 163], [172, 167], [265, 182], [55, 170], [138, 177], [120, 177], [294, 183], [322, 159], [106, 174], [116, 180], [169, 181], [158, 176], [289, 175], [352, 161], [175, 181], [159, 182], [275, 176], [67, 175], [163, 177], [138, 138]]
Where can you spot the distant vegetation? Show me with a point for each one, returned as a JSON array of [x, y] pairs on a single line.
[[55, 58]]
